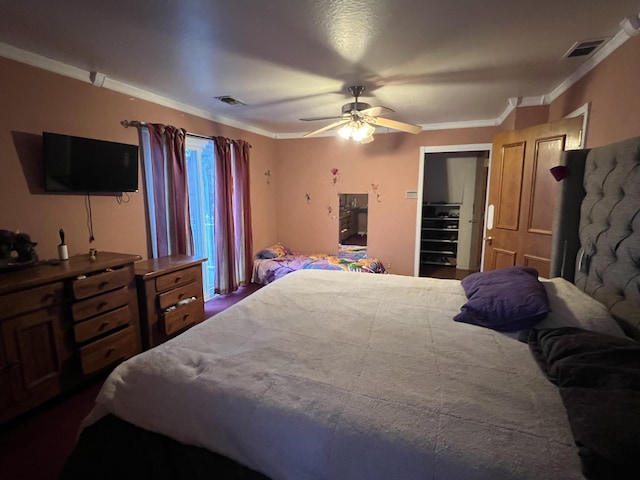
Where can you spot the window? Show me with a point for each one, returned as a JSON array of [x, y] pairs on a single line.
[[200, 159]]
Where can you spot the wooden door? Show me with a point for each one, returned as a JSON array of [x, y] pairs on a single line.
[[522, 194], [32, 355]]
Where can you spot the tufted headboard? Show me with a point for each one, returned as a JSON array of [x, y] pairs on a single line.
[[602, 255]]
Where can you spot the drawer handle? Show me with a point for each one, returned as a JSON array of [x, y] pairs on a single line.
[[177, 279], [185, 317], [110, 351], [103, 284], [103, 326], [46, 297], [101, 305], [181, 295]]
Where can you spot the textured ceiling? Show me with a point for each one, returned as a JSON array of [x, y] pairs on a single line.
[[432, 61]]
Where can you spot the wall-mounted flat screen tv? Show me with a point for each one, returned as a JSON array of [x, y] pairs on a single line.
[[85, 165]]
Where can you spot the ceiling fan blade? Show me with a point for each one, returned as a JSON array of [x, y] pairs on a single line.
[[394, 124], [327, 127], [313, 119], [376, 111]]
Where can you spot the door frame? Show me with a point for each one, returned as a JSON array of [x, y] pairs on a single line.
[[444, 149]]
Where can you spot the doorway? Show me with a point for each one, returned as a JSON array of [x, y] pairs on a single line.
[[450, 213]]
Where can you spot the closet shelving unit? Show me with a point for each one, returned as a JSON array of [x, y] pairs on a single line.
[[439, 235]]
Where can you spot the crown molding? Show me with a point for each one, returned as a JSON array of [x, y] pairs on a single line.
[[60, 68], [606, 50], [183, 107], [24, 56], [457, 125], [425, 127], [54, 66]]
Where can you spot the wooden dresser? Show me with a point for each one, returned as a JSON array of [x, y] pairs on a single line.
[[170, 296], [61, 323]]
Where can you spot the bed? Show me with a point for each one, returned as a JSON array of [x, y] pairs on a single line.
[[278, 260], [338, 375]]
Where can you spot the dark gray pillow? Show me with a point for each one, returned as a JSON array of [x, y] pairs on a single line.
[[506, 300]]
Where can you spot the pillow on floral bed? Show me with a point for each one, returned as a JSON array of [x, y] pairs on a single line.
[[274, 251], [507, 300]]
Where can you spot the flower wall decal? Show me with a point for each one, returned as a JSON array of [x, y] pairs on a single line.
[[335, 172], [374, 187]]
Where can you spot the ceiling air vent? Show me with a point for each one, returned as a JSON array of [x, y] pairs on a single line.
[[229, 100], [584, 49]]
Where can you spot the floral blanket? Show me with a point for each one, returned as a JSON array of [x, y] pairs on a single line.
[[266, 270], [277, 261], [353, 252], [330, 262]]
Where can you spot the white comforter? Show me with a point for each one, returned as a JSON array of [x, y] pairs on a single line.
[[339, 375]]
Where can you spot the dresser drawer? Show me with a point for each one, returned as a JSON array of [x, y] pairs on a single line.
[[108, 350], [31, 299], [101, 282], [193, 289], [100, 304], [183, 316], [175, 279], [96, 326]]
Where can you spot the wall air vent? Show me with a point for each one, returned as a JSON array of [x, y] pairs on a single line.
[[229, 100], [584, 49]]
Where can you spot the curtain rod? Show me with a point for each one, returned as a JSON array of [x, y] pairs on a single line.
[[132, 123], [138, 124]]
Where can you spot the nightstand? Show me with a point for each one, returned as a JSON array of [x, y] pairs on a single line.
[[170, 296]]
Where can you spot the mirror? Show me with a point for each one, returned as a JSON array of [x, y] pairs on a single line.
[[353, 223]]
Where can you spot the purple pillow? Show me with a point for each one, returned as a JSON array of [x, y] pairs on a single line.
[[506, 300]]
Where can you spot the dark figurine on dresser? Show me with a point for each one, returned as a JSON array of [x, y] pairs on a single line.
[[6, 244], [16, 248]]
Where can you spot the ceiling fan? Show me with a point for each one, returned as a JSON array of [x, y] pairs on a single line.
[[359, 119]]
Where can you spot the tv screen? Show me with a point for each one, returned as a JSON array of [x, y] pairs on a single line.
[[85, 165]]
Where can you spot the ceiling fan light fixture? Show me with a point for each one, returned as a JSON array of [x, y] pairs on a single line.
[[364, 131], [356, 130], [345, 131], [359, 120]]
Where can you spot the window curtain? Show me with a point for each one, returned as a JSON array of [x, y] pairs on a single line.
[[242, 211], [163, 151], [233, 215]]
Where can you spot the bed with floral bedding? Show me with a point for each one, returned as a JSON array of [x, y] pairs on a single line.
[[278, 260]]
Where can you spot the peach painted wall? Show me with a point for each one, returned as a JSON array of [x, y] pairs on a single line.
[[303, 166], [612, 90], [391, 161], [33, 101], [529, 116], [523, 117]]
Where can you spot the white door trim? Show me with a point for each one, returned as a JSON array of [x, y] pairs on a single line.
[[441, 149]]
